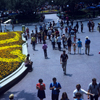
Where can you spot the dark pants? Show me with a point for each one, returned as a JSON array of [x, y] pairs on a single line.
[[55, 96], [94, 97], [49, 36], [89, 28], [87, 49], [33, 44], [53, 45], [59, 45], [63, 44], [45, 53], [25, 37]]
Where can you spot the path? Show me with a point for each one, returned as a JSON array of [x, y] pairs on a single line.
[[80, 69]]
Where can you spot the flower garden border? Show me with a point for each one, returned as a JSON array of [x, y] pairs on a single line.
[[17, 75]]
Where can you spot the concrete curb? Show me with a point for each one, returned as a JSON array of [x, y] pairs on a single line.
[[16, 76]]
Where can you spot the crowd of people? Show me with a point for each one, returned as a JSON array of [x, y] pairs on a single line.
[[57, 37], [93, 92]]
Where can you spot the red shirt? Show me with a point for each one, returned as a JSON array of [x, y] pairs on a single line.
[[40, 86]]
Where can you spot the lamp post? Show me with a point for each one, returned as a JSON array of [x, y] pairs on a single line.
[[52, 4]]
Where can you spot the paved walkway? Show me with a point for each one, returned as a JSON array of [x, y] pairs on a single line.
[[80, 68]]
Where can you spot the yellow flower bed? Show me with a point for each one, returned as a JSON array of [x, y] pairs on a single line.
[[11, 55], [47, 11]]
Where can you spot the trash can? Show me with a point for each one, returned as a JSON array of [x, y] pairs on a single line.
[[23, 28], [16, 21]]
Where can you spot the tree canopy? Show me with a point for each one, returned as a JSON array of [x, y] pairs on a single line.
[[32, 4]]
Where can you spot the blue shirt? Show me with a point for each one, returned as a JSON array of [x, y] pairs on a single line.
[[78, 99], [87, 41], [79, 44], [57, 85]]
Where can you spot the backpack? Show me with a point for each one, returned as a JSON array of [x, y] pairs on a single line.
[[57, 86]]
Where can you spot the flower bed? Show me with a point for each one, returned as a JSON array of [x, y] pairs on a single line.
[[11, 55]]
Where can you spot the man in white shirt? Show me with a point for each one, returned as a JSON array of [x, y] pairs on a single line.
[[81, 91]]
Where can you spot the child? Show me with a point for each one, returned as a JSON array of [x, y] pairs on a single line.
[[74, 47]]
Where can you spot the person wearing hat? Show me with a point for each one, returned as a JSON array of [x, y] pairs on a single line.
[[11, 97], [94, 89], [87, 45]]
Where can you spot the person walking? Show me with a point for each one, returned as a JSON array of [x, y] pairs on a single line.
[[55, 87], [63, 61], [94, 89], [64, 96], [81, 91], [87, 45], [44, 47], [33, 41], [79, 44], [41, 87]]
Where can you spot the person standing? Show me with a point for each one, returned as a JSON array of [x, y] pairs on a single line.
[[53, 41], [55, 87], [77, 26], [59, 42], [27, 31], [33, 41], [63, 61], [41, 87], [98, 28], [74, 48], [92, 25], [81, 27], [13, 27], [72, 23], [69, 42], [94, 89], [44, 47], [87, 45], [63, 40], [89, 25], [81, 91], [25, 35], [64, 96], [79, 44]]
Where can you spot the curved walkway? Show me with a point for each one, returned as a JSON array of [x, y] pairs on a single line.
[[80, 68]]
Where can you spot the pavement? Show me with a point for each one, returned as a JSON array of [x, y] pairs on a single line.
[[80, 68]]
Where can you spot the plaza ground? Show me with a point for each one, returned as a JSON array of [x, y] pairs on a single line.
[[80, 68]]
